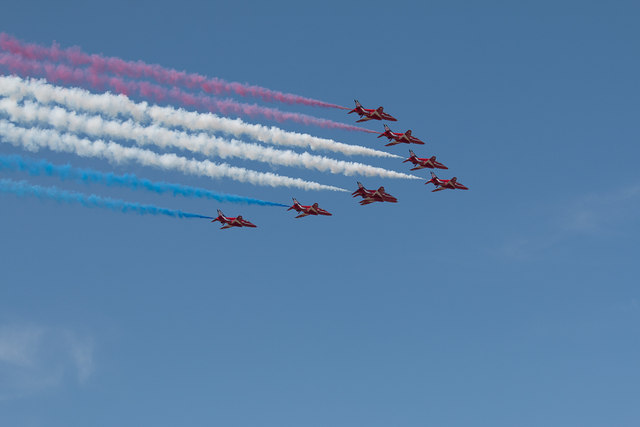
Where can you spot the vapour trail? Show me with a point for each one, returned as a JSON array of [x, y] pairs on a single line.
[[77, 76], [120, 105], [34, 139], [139, 69], [23, 188], [31, 113], [17, 163]]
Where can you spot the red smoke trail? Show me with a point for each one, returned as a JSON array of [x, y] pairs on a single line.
[[78, 76], [138, 69]]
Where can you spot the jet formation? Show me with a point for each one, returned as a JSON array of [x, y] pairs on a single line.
[[406, 138], [368, 196]]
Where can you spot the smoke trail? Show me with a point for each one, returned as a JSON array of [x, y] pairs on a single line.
[[119, 105], [42, 167], [138, 69], [35, 139], [22, 188], [68, 75], [96, 126]]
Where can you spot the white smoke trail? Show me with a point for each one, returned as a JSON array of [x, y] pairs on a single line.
[[120, 105], [95, 126], [34, 139]]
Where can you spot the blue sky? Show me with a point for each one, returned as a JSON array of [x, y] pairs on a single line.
[[515, 303]]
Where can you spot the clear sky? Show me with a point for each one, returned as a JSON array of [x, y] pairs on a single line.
[[515, 303]]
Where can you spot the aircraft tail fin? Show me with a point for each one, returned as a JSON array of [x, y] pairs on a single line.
[[380, 109], [360, 185], [220, 214], [408, 132], [355, 110], [433, 180], [412, 155], [387, 128]]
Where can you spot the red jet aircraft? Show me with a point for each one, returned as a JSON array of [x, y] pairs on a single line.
[[424, 163], [307, 210], [398, 137], [443, 184], [370, 196], [232, 222], [371, 114]]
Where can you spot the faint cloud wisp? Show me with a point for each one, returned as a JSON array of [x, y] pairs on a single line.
[[35, 358], [601, 214], [596, 213]]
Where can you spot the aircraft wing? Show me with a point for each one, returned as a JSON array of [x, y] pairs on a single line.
[[388, 198], [364, 119], [360, 192], [439, 165]]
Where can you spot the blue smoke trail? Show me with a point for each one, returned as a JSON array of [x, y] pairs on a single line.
[[42, 167], [23, 188]]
